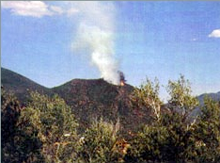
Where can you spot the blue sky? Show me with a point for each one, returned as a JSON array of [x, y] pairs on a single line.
[[151, 39]]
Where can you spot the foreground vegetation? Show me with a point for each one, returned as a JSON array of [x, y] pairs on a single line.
[[46, 130]]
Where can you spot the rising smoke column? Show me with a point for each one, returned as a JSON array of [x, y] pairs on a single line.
[[96, 32]]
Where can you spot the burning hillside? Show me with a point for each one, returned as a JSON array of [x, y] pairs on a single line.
[[97, 98], [88, 99]]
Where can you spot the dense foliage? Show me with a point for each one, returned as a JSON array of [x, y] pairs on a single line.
[[43, 131], [147, 98], [46, 130], [17, 145], [52, 122], [177, 137], [97, 142]]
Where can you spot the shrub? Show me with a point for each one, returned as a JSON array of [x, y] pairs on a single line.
[[98, 142]]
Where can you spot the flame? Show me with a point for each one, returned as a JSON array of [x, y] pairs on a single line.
[[122, 78], [122, 83]]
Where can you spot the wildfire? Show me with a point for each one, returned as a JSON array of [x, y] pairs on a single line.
[[122, 78], [122, 83]]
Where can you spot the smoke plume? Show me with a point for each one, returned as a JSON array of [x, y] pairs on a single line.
[[96, 33]]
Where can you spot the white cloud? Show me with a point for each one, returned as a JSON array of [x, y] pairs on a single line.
[[31, 8], [215, 33]]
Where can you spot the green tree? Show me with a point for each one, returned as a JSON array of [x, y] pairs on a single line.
[[147, 98], [208, 132], [179, 124], [147, 145], [10, 112], [181, 99], [170, 138], [17, 146], [53, 123]]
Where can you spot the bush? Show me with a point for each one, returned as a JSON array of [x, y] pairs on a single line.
[[97, 143]]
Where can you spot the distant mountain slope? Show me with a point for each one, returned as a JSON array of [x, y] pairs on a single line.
[[214, 96], [20, 85]]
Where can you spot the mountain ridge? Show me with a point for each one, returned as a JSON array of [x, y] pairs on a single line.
[[20, 85], [88, 98]]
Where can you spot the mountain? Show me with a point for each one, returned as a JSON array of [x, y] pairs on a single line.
[[89, 99], [214, 96], [97, 98], [19, 85]]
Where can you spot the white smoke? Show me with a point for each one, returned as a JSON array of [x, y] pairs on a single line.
[[96, 32]]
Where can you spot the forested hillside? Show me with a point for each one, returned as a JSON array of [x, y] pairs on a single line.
[[90, 121]]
